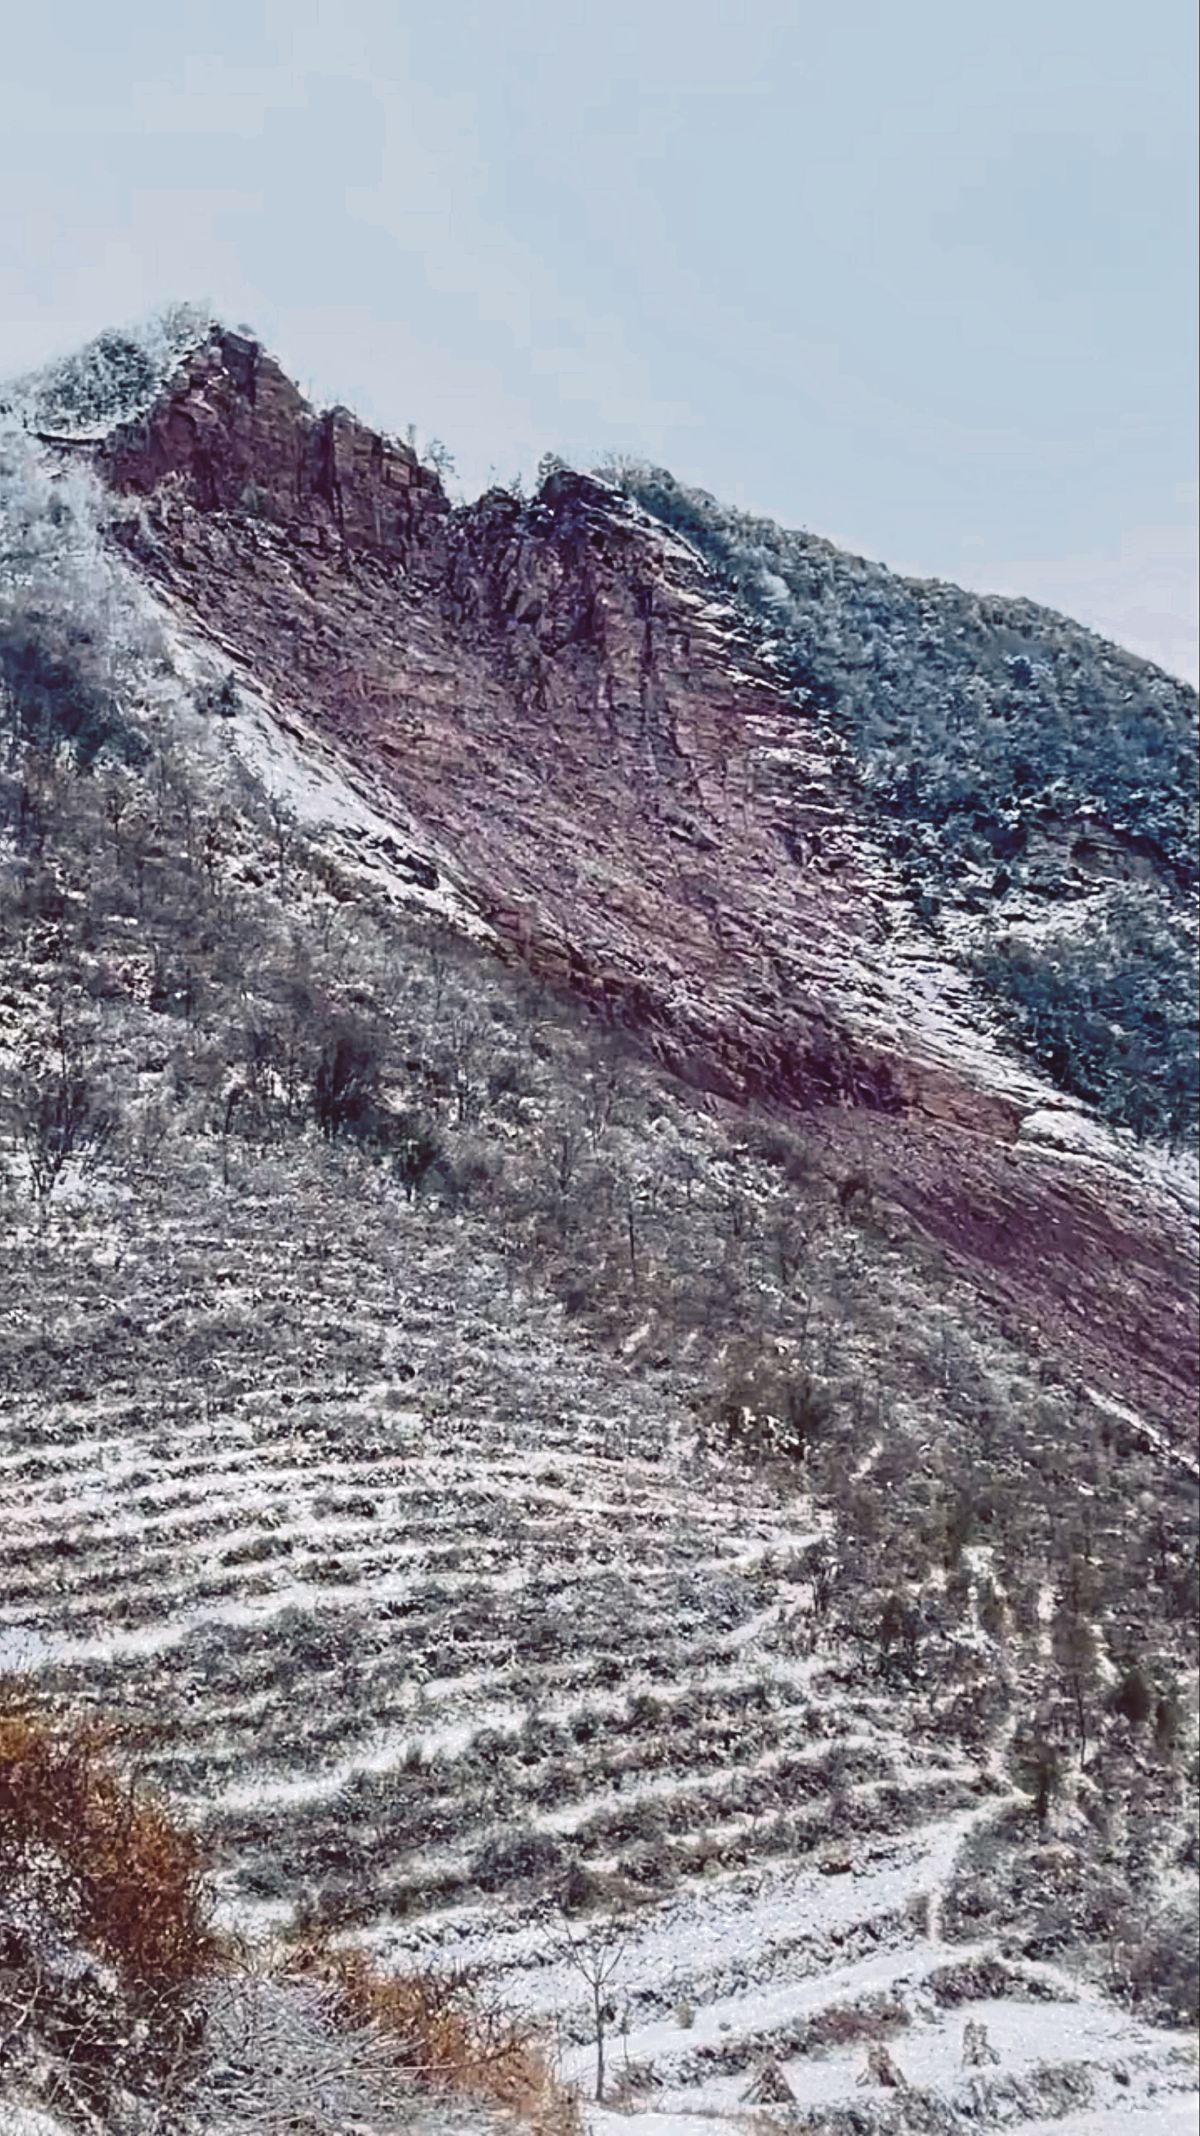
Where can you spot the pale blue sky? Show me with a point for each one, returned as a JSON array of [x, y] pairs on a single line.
[[917, 274]]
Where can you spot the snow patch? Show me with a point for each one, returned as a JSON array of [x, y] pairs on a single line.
[[316, 786]]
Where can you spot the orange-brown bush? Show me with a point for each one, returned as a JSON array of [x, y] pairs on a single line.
[[442, 2033], [872, 2017], [103, 1860], [92, 1863]]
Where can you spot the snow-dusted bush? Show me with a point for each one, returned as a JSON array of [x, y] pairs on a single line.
[[1159, 1969], [769, 1412], [109, 381], [76, 639]]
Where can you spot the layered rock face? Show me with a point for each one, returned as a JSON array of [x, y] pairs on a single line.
[[559, 696], [237, 436]]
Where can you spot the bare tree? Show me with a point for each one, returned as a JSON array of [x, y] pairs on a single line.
[[597, 1952], [416, 1150], [284, 832], [602, 1086], [1075, 1645], [57, 1112], [559, 1158]]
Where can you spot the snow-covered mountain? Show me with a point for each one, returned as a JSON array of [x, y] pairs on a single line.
[[576, 1365]]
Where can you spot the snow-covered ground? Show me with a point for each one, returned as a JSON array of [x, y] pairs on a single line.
[[420, 1624]]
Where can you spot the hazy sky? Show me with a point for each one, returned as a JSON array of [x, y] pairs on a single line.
[[917, 274]]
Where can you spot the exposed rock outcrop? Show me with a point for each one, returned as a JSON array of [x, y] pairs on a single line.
[[556, 692], [235, 435]]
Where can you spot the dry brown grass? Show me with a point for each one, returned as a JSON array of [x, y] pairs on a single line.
[[92, 1862], [871, 2018], [438, 2029], [87, 1849]]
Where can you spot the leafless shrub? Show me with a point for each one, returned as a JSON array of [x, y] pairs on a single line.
[[881, 2069], [345, 1083], [105, 1942], [439, 2028], [872, 2017], [770, 1410], [58, 1115], [1156, 1965], [987, 1979], [77, 1839]]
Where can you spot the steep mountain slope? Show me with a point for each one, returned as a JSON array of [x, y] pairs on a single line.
[[1038, 789], [505, 1488], [556, 696], [1004, 725]]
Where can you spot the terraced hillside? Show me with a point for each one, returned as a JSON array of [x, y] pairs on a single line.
[[433, 1621], [532, 1516]]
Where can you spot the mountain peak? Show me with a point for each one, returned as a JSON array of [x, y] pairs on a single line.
[[232, 433]]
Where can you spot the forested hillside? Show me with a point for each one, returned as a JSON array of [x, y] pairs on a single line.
[[1022, 769]]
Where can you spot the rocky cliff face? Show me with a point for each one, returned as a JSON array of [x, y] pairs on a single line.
[[556, 694], [235, 436]]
